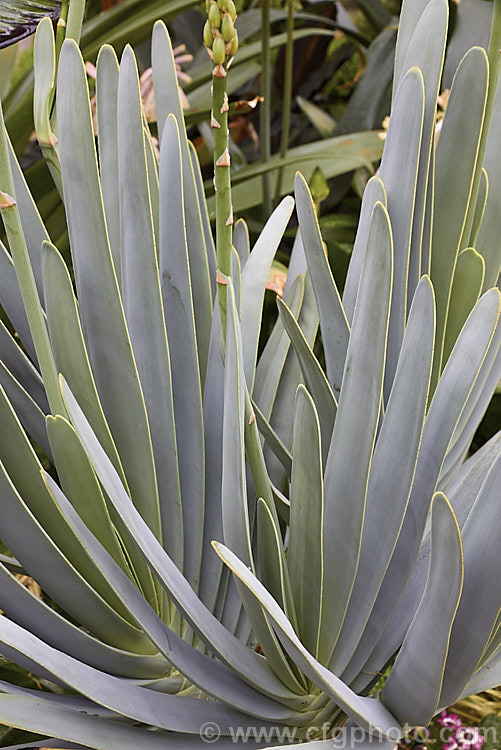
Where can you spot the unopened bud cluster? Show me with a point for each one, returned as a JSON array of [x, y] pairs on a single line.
[[220, 34]]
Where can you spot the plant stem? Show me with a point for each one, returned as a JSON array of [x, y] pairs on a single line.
[[493, 55], [26, 279], [222, 185], [61, 29], [265, 111], [221, 43], [287, 97], [75, 20]]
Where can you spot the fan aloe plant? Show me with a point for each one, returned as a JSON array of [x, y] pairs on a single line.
[[140, 434]]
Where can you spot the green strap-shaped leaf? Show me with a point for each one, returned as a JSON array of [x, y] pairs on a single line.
[[350, 451], [167, 101], [25, 273], [44, 63], [298, 265], [367, 712], [466, 288], [68, 345], [176, 288], [462, 498], [103, 323], [143, 307], [399, 173], [474, 408], [71, 359], [313, 375], [58, 577], [23, 607], [422, 265], [482, 588], [282, 415], [231, 651], [374, 192], [236, 528], [268, 553], [211, 585], [457, 381], [411, 12], [333, 323], [170, 712], [305, 527], [96, 732], [33, 228], [16, 361], [12, 301], [273, 441], [392, 469], [213, 404], [461, 129], [424, 650], [153, 183], [30, 714], [236, 522], [345, 738], [106, 106], [30, 415], [254, 277], [476, 466], [241, 241], [486, 678], [204, 213], [80, 485], [272, 360], [487, 241], [207, 673], [478, 216], [423, 33]]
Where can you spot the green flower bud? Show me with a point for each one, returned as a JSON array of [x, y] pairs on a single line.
[[208, 38], [218, 51], [234, 46], [227, 28], [223, 4], [232, 10], [214, 15]]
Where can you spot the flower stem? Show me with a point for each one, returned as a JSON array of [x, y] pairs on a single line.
[[222, 185], [221, 42], [61, 29]]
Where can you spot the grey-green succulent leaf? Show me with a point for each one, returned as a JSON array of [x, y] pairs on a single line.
[[403, 148], [392, 469], [333, 323], [350, 451], [454, 180], [426, 644], [368, 712]]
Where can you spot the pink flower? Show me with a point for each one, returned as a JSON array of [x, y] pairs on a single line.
[[450, 721], [469, 738]]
